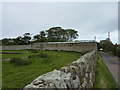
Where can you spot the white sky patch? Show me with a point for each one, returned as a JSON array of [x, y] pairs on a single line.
[[60, 0], [114, 36], [90, 19]]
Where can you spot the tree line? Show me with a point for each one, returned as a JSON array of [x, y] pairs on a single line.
[[109, 47], [54, 34]]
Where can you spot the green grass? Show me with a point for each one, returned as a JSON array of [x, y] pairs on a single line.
[[15, 76], [119, 59], [111, 54], [25, 53], [103, 78]]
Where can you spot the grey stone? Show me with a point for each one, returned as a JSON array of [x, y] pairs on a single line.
[[69, 76]]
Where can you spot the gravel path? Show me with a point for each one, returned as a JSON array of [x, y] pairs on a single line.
[[113, 65]]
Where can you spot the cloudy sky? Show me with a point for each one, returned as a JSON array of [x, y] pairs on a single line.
[[90, 19]]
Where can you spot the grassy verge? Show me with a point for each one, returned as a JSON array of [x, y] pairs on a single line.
[[119, 59], [103, 78], [15, 76], [111, 54]]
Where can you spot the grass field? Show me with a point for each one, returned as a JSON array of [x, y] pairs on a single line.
[[25, 54], [103, 78], [15, 76]]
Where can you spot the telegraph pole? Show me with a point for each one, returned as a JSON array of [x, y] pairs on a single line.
[[95, 38], [109, 35]]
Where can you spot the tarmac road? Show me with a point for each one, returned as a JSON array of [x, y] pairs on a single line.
[[113, 65]]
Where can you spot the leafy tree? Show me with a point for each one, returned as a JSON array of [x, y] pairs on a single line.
[[58, 34], [71, 34], [40, 37], [18, 41], [8, 41], [26, 38], [54, 34], [36, 37], [107, 46]]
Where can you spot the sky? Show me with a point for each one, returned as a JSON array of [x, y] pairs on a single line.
[[90, 19]]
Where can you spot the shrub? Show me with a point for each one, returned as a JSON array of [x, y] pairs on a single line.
[[118, 51], [29, 56], [19, 61], [23, 62], [14, 60], [43, 55], [34, 51]]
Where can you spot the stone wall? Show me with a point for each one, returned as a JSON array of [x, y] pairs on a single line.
[[78, 74], [16, 47], [77, 47]]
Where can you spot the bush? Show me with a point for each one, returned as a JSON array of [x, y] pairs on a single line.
[[34, 51], [19, 61], [23, 62], [43, 55], [118, 51], [14, 60], [29, 56]]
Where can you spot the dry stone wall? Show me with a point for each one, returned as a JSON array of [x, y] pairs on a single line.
[[16, 47], [78, 74], [77, 47]]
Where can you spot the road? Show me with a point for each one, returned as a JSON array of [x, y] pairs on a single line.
[[113, 65]]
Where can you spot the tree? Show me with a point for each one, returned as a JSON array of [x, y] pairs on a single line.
[[7, 41], [53, 34], [17, 41], [26, 38], [58, 34], [40, 37], [107, 46], [71, 34], [36, 37]]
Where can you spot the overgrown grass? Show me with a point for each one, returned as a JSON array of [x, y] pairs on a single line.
[[25, 53], [19, 61], [19, 76], [118, 59], [103, 78], [111, 54]]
